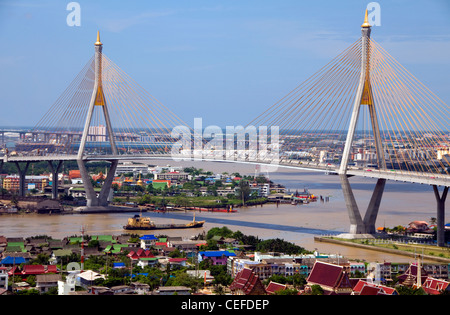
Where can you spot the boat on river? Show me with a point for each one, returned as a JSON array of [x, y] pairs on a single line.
[[145, 223]]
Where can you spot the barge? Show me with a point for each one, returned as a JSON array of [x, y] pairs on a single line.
[[144, 223]]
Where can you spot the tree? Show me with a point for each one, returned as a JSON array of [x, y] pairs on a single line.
[[279, 245], [221, 277], [244, 190], [287, 292], [404, 290], [316, 290], [216, 231], [183, 279]]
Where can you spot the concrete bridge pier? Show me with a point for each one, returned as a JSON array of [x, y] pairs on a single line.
[[440, 199], [96, 203], [22, 174], [362, 228], [55, 171]]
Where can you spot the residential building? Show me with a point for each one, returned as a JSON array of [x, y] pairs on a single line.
[[12, 182], [179, 290], [180, 262], [140, 288], [379, 272], [44, 282], [186, 245], [218, 257], [3, 278], [148, 241], [357, 267], [67, 287]]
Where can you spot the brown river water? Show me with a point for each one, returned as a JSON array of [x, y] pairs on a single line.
[[401, 204]]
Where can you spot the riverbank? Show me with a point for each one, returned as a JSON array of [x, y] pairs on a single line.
[[432, 253]]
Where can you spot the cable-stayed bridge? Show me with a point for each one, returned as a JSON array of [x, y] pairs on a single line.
[[362, 114]]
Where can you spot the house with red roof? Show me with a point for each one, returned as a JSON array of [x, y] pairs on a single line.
[[139, 254], [363, 287], [333, 279], [178, 261], [37, 269], [417, 227], [247, 283]]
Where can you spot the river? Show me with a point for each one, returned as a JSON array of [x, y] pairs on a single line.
[[401, 204]]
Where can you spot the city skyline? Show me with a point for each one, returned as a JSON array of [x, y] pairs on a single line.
[[206, 59]]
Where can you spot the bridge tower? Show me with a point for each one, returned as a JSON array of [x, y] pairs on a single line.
[[364, 97], [97, 99]]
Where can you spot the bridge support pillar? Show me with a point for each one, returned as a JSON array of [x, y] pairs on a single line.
[[358, 226], [93, 201], [440, 199], [22, 174], [374, 205], [55, 171]]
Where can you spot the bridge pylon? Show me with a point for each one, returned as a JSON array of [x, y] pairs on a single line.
[[360, 227], [364, 96], [96, 202]]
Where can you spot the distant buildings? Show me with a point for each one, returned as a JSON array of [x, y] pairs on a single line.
[[11, 182]]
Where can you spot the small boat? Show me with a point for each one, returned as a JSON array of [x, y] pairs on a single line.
[[144, 223]]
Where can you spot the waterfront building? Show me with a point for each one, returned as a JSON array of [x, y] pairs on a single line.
[[12, 183]]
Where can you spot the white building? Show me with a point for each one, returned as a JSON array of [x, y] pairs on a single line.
[[3, 278], [130, 167], [67, 287], [378, 272]]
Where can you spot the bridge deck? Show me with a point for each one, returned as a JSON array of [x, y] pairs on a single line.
[[395, 175]]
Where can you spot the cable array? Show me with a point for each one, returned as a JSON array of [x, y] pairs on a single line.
[[141, 124], [314, 117]]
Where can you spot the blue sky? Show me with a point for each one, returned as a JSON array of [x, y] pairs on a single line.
[[222, 60]]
